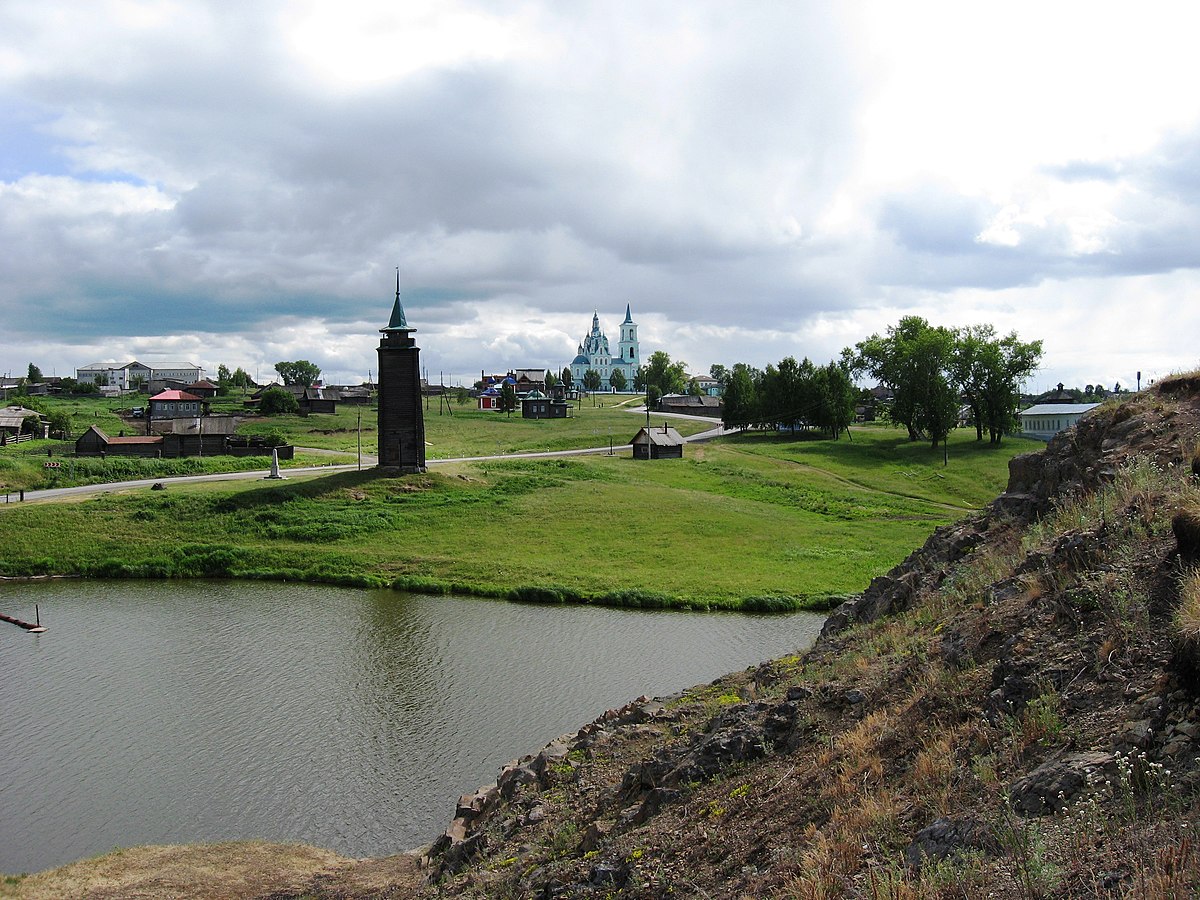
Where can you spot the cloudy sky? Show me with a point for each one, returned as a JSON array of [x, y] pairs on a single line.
[[237, 183]]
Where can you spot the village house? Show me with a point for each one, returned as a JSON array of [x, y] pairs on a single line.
[[489, 398], [706, 384], [689, 404], [536, 405], [205, 390], [187, 442], [309, 399], [313, 399], [1045, 420], [175, 404], [657, 442], [95, 442], [529, 380], [352, 394]]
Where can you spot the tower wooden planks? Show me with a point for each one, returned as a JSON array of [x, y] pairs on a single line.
[[401, 420]]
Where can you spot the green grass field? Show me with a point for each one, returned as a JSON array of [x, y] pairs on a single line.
[[460, 431], [750, 521], [453, 431]]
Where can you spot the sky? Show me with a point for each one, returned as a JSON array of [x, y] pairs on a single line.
[[238, 183]]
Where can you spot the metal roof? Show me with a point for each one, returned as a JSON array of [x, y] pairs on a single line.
[[1058, 409], [659, 435], [175, 395]]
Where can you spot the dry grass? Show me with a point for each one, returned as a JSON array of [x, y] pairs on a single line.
[[854, 759], [1187, 616], [934, 771], [226, 871], [1180, 384], [825, 864]]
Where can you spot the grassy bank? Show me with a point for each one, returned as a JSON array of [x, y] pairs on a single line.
[[750, 522]]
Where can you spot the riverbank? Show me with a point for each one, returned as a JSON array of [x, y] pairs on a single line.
[[747, 522]]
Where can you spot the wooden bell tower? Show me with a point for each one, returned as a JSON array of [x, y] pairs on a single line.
[[401, 420]]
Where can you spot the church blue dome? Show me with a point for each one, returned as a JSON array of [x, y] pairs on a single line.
[[581, 360]]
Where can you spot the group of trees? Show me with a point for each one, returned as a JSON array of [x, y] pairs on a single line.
[[659, 377], [792, 395], [227, 380], [932, 371], [299, 371]]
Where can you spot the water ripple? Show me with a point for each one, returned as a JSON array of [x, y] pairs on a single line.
[[187, 711]]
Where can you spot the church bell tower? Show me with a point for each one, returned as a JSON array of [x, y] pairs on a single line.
[[401, 421]]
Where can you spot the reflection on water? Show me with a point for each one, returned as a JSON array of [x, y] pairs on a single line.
[[168, 712]]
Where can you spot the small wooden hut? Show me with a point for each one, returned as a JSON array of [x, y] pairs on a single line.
[[657, 442]]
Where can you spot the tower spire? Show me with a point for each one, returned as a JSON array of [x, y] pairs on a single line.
[[397, 321]]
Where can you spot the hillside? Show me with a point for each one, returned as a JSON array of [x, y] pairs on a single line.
[[1013, 711]]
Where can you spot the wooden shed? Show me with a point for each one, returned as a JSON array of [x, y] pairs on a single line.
[[95, 442], [657, 442]]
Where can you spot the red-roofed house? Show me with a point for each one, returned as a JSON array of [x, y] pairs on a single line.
[[175, 405]]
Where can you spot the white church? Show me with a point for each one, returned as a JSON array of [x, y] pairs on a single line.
[[595, 354]]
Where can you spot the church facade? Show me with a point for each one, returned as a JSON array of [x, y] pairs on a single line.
[[594, 353]]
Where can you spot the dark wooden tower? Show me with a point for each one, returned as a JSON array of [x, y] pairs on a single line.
[[401, 422]]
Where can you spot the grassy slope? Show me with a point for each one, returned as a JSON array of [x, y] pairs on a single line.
[[733, 520]]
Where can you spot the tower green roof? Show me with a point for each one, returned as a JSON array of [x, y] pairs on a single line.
[[398, 322]]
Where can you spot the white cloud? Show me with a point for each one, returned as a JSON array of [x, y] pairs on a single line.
[[770, 179]]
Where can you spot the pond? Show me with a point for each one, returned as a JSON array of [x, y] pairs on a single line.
[[171, 712]]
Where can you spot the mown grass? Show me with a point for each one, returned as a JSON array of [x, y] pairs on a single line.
[[883, 458], [453, 431], [727, 526]]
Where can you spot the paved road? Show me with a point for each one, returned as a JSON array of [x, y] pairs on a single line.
[[368, 461]]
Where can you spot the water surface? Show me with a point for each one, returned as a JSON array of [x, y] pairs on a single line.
[[167, 712]]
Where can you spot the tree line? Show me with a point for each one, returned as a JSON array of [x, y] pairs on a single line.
[[932, 373], [792, 396]]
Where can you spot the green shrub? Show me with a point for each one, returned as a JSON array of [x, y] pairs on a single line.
[[639, 599], [770, 604], [534, 594]]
